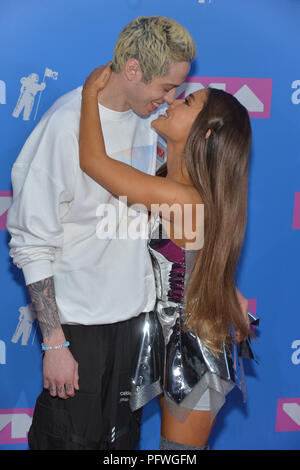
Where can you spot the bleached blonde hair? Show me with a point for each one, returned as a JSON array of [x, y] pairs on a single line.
[[156, 42]]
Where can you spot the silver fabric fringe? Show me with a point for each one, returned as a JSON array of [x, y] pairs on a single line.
[[184, 369], [172, 360]]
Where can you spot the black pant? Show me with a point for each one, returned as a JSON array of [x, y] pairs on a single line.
[[98, 417]]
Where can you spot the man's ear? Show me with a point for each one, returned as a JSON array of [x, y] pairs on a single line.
[[133, 70]]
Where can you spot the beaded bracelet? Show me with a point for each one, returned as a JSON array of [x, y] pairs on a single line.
[[47, 348]]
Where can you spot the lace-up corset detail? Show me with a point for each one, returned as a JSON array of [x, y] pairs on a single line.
[[171, 267]]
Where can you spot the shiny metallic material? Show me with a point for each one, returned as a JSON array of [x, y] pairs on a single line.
[[188, 361], [174, 360], [146, 383]]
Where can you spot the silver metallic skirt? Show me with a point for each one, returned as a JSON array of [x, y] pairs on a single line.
[[175, 362]]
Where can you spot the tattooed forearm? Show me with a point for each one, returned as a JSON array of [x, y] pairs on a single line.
[[42, 295]]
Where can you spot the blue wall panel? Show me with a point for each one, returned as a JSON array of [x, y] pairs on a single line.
[[250, 41]]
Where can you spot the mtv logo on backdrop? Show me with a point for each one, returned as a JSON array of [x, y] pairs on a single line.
[[25, 326], [30, 86], [288, 415], [5, 201], [14, 425], [2, 92], [254, 93], [2, 352]]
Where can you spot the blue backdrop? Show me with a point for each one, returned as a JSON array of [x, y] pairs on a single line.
[[249, 48]]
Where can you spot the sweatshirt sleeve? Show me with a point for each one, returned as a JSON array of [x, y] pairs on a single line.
[[43, 180]]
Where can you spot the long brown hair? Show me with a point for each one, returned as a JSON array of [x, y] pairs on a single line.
[[217, 160]]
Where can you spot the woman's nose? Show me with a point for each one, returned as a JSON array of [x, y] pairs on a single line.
[[176, 103]]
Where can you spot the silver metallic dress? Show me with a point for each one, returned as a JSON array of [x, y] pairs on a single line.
[[173, 361]]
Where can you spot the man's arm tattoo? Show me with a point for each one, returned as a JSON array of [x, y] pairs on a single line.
[[42, 295]]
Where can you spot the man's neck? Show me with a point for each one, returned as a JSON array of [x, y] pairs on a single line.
[[113, 96]]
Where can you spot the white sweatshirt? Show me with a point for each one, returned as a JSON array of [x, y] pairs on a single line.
[[56, 210]]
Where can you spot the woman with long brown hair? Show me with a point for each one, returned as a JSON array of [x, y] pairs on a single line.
[[200, 318]]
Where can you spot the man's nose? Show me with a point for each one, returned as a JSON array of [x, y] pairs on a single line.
[[170, 96], [176, 103]]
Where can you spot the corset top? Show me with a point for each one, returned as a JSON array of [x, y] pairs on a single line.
[[172, 265]]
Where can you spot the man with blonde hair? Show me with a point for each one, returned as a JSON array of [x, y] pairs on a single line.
[[90, 293]]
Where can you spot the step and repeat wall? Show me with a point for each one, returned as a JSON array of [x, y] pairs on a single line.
[[249, 48]]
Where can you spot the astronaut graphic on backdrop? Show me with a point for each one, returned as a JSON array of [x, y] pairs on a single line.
[[30, 87], [24, 328]]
